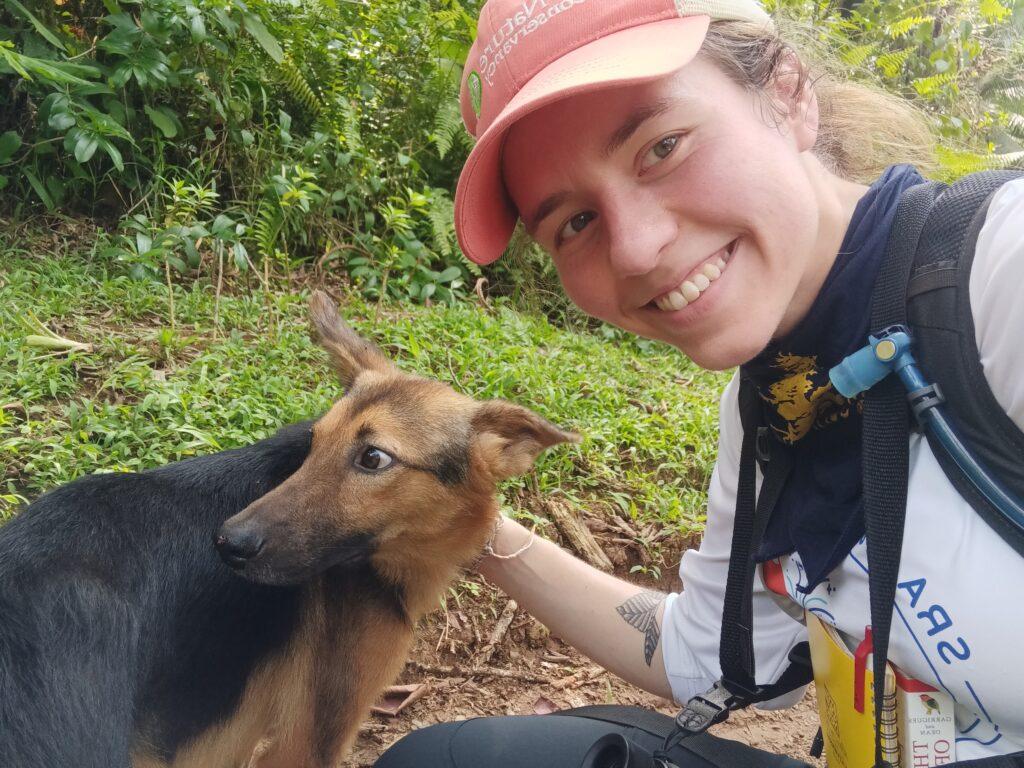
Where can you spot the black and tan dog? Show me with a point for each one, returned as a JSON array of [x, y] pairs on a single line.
[[124, 641]]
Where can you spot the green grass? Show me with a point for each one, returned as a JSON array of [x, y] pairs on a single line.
[[146, 395]]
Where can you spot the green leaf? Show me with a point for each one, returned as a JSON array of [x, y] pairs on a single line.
[[209, 134], [198, 28], [9, 144], [255, 27], [247, 137], [45, 33], [240, 256], [39, 189], [449, 274], [3, 181], [61, 121], [85, 146], [114, 153], [162, 121]]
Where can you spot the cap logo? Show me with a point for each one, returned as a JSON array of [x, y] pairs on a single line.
[[475, 91], [529, 16]]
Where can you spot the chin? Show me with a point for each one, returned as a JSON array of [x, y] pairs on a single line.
[[723, 354]]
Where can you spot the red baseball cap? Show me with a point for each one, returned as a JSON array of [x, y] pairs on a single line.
[[530, 53]]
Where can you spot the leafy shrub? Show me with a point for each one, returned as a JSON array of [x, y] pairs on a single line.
[[321, 129], [961, 61]]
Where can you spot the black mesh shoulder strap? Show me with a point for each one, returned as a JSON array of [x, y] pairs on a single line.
[[940, 315], [886, 436]]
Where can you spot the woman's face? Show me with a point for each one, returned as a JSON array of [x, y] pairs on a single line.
[[677, 210]]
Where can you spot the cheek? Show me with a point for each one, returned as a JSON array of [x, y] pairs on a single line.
[[589, 286]]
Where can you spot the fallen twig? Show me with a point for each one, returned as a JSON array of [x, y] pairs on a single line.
[[578, 535], [500, 630], [456, 671], [580, 678]]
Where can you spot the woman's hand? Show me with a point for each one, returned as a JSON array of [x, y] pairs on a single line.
[[615, 623]]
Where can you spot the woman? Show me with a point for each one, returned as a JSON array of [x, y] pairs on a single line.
[[693, 183]]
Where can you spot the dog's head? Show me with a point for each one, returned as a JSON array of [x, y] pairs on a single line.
[[402, 474]]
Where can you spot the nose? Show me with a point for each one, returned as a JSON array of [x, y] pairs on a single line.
[[638, 230], [237, 547]]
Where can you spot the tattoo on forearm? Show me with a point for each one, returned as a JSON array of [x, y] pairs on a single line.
[[641, 613]]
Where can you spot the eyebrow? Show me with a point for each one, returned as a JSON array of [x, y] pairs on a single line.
[[621, 135], [547, 206], [632, 123]]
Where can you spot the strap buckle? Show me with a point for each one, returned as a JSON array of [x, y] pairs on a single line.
[[706, 709]]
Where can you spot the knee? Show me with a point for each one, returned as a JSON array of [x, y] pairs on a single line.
[[430, 746]]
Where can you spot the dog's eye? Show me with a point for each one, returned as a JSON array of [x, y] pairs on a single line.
[[373, 459]]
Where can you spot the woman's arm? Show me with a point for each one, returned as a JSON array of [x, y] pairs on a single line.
[[615, 623]]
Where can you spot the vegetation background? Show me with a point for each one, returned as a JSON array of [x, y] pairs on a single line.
[[174, 174]]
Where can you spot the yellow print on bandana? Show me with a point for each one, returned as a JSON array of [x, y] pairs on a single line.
[[804, 397]]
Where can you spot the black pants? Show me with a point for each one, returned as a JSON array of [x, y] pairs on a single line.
[[562, 741]]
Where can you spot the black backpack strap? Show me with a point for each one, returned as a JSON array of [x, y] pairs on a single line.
[[738, 686], [939, 313], [714, 750], [886, 438], [736, 652]]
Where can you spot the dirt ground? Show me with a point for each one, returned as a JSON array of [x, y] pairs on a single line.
[[523, 670]]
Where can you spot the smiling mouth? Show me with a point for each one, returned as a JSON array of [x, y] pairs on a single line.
[[697, 282]]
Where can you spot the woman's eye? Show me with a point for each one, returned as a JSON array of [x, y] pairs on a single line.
[[373, 459], [660, 151], [575, 225]]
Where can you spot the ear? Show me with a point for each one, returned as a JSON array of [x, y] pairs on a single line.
[[511, 437], [793, 90], [350, 353]]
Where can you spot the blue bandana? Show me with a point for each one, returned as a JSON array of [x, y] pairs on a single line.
[[819, 514]]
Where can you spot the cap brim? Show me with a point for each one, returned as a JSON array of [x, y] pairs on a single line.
[[484, 216]]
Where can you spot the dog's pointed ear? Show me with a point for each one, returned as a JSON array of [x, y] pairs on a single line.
[[512, 437], [350, 353]]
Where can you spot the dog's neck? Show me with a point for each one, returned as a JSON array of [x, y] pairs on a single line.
[[422, 572]]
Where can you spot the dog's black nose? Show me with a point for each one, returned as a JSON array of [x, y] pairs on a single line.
[[238, 547]]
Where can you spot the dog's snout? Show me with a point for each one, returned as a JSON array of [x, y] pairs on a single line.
[[238, 547]]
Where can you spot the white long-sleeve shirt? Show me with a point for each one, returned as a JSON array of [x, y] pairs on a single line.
[[958, 623]]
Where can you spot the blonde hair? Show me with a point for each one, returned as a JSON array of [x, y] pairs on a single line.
[[862, 129]]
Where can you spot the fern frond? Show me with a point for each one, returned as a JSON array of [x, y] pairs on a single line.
[[447, 127], [906, 25], [267, 228], [957, 163], [300, 89], [891, 63], [925, 86], [348, 125], [441, 213], [1006, 160], [858, 54]]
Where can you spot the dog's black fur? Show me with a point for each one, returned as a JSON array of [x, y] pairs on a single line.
[[118, 621]]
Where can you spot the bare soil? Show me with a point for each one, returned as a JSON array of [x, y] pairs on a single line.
[[529, 672]]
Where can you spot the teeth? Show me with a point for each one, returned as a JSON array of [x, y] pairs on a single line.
[[676, 300], [691, 289]]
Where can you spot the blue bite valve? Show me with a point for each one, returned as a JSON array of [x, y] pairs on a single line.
[[858, 372], [888, 351]]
